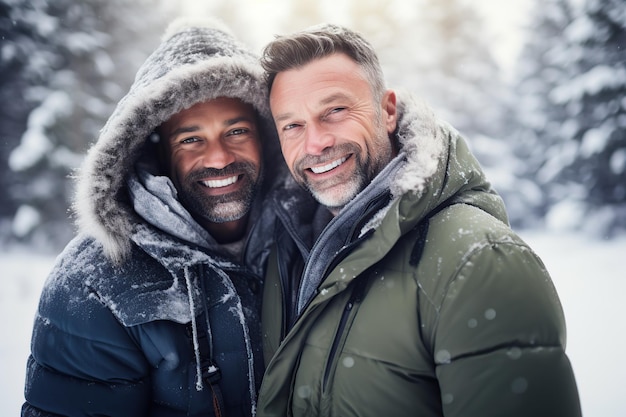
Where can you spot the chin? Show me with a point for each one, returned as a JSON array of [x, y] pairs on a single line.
[[337, 199], [228, 212]]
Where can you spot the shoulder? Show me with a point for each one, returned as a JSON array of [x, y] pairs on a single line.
[[463, 235], [464, 241], [72, 319], [478, 277], [84, 282], [461, 225]]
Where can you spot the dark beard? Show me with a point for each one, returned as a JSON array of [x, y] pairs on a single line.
[[221, 208]]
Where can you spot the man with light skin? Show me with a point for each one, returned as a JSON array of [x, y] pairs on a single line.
[[312, 131], [406, 293]]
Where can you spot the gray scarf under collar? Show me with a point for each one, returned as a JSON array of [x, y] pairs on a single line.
[[154, 198], [334, 237]]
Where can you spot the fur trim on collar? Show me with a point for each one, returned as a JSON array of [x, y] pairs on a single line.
[[419, 135]]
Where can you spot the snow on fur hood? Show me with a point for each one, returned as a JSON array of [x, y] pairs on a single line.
[[197, 60], [439, 169], [435, 166]]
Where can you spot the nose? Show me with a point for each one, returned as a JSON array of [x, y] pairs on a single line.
[[317, 139], [216, 154]]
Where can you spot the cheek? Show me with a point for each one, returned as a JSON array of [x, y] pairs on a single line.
[[252, 153], [289, 154], [177, 174], [258, 153], [180, 166]]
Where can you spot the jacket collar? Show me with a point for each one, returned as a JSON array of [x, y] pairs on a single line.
[[421, 150], [434, 168]]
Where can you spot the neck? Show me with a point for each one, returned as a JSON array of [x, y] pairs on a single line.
[[226, 232]]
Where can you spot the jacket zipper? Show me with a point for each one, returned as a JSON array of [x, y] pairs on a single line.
[[353, 239], [355, 298], [282, 276], [344, 252], [334, 262]]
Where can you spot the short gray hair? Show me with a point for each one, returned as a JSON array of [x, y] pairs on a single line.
[[293, 51]]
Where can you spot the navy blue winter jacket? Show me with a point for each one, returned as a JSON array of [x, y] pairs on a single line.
[[120, 341], [144, 314]]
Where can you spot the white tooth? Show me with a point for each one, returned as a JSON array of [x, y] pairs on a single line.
[[220, 183], [328, 167]]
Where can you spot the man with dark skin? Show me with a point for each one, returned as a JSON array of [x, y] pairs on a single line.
[[154, 308]]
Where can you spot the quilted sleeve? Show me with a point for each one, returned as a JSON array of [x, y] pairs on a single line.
[[499, 345], [492, 321], [83, 361]]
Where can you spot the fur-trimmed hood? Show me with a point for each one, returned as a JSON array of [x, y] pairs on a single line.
[[439, 168], [197, 60]]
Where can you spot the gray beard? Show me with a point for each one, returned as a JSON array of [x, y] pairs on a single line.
[[222, 208]]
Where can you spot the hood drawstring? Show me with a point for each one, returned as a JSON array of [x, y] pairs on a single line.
[[194, 328], [206, 370], [211, 373], [242, 320]]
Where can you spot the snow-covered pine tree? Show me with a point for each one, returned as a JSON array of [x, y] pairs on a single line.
[[446, 55], [573, 92], [18, 53], [85, 55], [596, 99], [441, 51], [540, 67]]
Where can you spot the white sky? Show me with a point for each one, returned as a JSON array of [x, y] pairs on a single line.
[[505, 17]]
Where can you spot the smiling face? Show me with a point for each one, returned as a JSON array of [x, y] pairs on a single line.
[[334, 136], [213, 156]]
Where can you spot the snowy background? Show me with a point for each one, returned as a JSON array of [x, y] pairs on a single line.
[[588, 274], [537, 86]]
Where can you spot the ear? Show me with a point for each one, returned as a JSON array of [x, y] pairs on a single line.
[[390, 111]]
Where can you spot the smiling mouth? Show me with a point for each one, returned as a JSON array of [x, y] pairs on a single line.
[[220, 183], [332, 165]]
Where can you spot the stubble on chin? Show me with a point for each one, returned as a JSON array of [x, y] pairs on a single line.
[[220, 208], [228, 211], [338, 195]]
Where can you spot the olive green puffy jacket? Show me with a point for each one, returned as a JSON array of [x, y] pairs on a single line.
[[435, 308]]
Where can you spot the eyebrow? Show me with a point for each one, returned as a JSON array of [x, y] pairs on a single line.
[[195, 128], [238, 119], [181, 130]]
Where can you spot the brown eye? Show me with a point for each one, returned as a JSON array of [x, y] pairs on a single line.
[[240, 131], [190, 140]]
